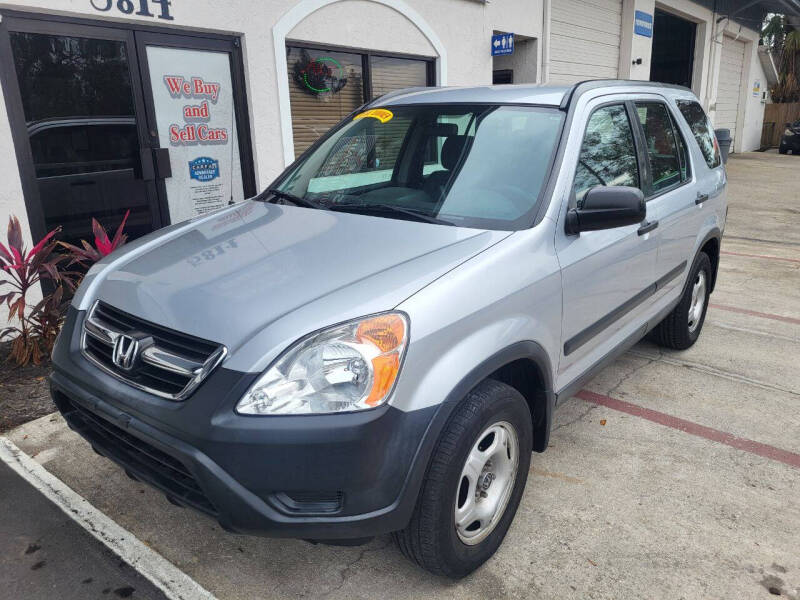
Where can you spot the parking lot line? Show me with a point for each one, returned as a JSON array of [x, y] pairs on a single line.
[[692, 428], [754, 313], [174, 583], [762, 241], [763, 256], [696, 366]]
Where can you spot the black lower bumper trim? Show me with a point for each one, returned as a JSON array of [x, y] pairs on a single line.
[[139, 459]]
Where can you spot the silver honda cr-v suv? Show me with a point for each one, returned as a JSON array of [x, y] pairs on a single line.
[[377, 343]]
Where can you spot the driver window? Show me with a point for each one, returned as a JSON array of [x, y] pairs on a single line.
[[608, 153]]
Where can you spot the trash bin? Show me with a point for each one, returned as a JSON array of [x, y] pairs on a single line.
[[724, 141]]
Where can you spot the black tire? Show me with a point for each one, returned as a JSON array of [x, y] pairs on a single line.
[[782, 149], [674, 331], [430, 539]]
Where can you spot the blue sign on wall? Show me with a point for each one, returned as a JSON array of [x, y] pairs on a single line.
[[502, 44], [204, 169], [643, 23]]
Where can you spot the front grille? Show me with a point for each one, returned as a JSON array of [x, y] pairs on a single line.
[[166, 363], [142, 460]]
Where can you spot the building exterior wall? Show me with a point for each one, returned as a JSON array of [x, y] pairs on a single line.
[[755, 104]]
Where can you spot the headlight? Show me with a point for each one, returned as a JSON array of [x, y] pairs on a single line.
[[348, 367], [788, 132]]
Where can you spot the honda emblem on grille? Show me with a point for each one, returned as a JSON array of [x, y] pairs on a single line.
[[126, 350]]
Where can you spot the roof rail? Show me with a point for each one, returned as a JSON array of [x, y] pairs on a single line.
[[592, 84], [393, 94]]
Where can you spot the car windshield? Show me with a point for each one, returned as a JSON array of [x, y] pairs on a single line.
[[470, 166]]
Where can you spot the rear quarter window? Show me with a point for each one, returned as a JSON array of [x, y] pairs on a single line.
[[702, 131]]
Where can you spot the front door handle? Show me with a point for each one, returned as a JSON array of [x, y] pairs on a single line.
[[700, 198], [649, 226]]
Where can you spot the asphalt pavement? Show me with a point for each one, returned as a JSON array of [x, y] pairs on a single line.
[[45, 554]]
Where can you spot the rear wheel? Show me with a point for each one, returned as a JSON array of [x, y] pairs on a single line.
[[474, 483], [681, 328]]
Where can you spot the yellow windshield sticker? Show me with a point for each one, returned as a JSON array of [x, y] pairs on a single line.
[[381, 114]]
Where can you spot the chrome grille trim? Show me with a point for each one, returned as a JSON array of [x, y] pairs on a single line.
[[165, 362]]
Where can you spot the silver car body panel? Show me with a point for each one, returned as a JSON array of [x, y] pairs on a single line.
[[594, 285], [488, 94], [468, 293], [288, 269]]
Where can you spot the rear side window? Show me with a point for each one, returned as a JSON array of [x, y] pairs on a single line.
[[682, 149], [701, 128], [662, 145], [608, 153]]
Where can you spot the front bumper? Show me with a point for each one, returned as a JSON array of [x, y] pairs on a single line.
[[313, 476]]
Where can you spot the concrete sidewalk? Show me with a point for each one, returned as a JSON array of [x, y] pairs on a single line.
[[46, 554]]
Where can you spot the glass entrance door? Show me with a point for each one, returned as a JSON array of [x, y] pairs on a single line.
[[194, 116], [84, 122], [109, 119]]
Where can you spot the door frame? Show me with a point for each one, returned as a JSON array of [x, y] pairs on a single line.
[[16, 111], [20, 20], [231, 45]]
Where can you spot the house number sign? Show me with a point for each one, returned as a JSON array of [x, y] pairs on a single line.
[[141, 8]]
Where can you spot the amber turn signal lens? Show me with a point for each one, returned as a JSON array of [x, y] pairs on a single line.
[[388, 334], [385, 368]]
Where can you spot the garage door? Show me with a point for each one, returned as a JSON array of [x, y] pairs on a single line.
[[584, 40], [730, 85]]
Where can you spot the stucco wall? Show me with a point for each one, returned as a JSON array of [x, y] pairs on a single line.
[[378, 27]]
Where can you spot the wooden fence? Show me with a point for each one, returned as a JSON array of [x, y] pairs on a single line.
[[775, 118]]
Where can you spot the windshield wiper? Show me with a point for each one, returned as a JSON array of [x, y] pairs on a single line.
[[415, 215], [293, 199]]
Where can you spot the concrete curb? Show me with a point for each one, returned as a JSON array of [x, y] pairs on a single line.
[[173, 582]]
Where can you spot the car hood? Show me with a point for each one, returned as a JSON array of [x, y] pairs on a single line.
[[230, 277]]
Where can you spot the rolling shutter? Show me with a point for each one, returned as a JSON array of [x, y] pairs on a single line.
[[584, 40], [390, 74], [730, 85]]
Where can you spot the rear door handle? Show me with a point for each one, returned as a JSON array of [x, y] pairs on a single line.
[[700, 198], [649, 226]]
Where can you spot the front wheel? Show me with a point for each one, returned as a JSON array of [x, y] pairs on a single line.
[[681, 328], [474, 483], [783, 149]]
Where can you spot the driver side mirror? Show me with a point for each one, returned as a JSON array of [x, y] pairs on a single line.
[[606, 207]]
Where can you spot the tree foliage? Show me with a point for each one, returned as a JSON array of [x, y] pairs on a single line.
[[781, 35]]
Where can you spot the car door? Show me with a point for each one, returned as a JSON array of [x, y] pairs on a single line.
[[607, 275], [671, 190]]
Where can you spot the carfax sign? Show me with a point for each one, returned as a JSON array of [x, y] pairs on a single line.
[[204, 169]]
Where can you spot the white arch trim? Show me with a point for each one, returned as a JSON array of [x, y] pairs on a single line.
[[299, 12]]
